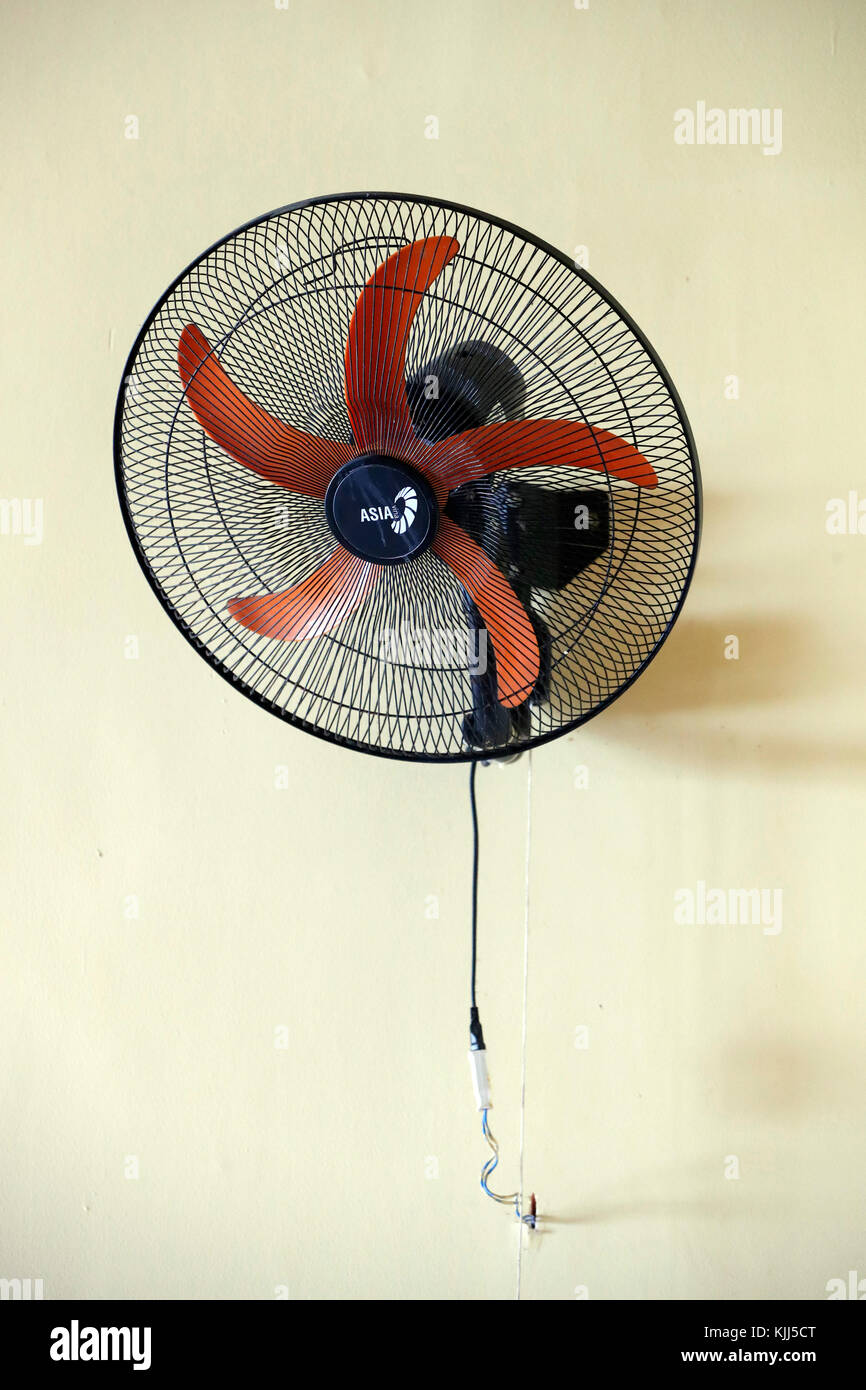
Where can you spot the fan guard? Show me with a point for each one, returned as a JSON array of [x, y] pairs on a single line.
[[509, 329]]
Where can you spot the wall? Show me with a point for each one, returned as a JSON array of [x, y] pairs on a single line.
[[345, 1165]]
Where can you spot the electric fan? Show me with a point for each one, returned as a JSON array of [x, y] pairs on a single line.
[[409, 479]]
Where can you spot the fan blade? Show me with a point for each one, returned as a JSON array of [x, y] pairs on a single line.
[[515, 644], [302, 462], [376, 345], [316, 605], [531, 443]]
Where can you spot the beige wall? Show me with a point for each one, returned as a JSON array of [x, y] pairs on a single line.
[[310, 1167]]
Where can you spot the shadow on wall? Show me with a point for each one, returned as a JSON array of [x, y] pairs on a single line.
[[776, 1078], [678, 1192], [779, 664], [759, 1079], [691, 672]]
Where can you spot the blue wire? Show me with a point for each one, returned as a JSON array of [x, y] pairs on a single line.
[[490, 1166]]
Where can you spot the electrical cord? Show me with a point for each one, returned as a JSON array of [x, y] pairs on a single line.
[[474, 809], [476, 1033], [477, 1051]]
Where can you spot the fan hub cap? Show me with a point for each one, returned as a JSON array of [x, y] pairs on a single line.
[[381, 509]]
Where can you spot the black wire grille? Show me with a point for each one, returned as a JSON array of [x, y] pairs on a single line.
[[275, 300]]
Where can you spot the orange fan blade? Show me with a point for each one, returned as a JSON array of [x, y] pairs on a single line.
[[530, 443], [303, 462], [376, 345], [315, 606], [515, 644]]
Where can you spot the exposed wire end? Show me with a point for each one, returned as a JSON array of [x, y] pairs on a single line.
[[511, 1199]]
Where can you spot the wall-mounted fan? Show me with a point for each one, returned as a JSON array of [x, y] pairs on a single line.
[[408, 478]]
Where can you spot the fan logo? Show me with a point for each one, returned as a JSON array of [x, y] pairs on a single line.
[[401, 514]]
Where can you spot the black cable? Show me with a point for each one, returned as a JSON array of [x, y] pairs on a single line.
[[476, 1036], [474, 809]]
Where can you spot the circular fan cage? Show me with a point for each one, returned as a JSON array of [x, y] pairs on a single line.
[[504, 381]]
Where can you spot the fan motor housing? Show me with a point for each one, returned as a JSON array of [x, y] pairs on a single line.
[[381, 509]]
